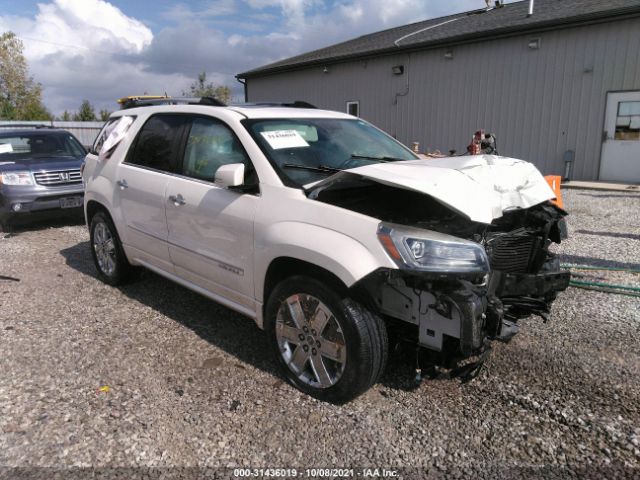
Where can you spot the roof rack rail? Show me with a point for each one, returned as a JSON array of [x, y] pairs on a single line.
[[294, 104], [148, 100]]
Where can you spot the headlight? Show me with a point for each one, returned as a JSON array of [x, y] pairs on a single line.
[[431, 251], [16, 178]]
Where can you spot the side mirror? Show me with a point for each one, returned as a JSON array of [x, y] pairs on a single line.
[[231, 175]]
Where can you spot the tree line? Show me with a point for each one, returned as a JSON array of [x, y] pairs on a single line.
[[21, 95]]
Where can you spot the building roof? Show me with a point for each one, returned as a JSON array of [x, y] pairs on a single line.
[[511, 18]]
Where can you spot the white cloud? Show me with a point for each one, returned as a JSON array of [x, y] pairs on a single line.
[[92, 24], [215, 8], [292, 9], [87, 49], [221, 7]]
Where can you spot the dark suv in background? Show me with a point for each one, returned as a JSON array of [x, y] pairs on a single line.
[[39, 173]]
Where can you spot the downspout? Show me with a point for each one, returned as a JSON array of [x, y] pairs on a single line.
[[405, 92], [530, 8], [244, 84]]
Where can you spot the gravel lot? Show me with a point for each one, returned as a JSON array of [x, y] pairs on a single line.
[[190, 385]]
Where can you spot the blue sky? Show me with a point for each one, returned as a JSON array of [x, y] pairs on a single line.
[[101, 50]]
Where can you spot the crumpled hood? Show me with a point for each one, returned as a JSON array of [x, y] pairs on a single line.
[[480, 187]]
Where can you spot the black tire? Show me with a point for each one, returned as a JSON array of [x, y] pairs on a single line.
[[5, 224], [362, 332], [122, 269]]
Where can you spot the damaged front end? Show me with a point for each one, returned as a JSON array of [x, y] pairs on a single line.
[[459, 283]]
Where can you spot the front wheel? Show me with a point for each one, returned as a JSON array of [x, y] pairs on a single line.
[[330, 347], [106, 249]]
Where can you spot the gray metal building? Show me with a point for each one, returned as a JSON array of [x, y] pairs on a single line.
[[566, 78]]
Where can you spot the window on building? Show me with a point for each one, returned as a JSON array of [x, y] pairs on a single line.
[[628, 121], [353, 108]]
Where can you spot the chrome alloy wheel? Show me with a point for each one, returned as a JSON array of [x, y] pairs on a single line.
[[311, 340], [105, 248]]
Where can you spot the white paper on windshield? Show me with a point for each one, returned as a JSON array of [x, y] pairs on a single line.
[[6, 148], [284, 139], [116, 133]]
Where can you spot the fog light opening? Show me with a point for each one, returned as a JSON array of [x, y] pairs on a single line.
[[16, 207]]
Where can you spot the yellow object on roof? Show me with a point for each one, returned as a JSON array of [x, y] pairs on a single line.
[[124, 100]]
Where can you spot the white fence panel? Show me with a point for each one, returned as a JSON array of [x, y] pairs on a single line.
[[86, 132]]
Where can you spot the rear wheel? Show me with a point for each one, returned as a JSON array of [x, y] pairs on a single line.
[[106, 249], [329, 347]]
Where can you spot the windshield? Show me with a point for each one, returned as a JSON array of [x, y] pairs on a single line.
[[24, 146], [304, 150]]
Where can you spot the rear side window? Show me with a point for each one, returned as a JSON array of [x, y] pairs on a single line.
[[102, 136], [158, 143]]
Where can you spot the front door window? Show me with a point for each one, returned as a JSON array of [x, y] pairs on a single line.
[[210, 145]]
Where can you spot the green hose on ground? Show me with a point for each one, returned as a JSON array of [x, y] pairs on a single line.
[[604, 285], [601, 286], [605, 290], [589, 267]]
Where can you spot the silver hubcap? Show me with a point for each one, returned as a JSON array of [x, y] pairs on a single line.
[[311, 340], [105, 248]]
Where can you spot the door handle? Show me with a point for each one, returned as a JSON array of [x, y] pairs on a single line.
[[122, 184], [177, 200]]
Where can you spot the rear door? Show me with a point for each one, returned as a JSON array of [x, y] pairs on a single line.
[[141, 188], [210, 227], [621, 148]]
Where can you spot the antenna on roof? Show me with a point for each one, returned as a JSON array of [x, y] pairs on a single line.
[[530, 8]]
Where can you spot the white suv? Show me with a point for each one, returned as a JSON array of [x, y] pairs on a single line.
[[335, 238]]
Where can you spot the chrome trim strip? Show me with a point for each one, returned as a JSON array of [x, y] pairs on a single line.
[[209, 183], [223, 265], [206, 293], [146, 233]]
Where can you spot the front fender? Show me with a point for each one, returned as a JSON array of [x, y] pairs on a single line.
[[345, 257]]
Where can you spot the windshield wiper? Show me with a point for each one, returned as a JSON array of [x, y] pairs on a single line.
[[379, 159], [319, 168]]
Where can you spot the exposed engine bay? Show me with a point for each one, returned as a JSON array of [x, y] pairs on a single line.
[[455, 315]]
